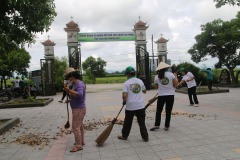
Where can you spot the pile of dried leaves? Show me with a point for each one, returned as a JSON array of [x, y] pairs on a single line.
[[33, 140], [91, 125], [190, 115]]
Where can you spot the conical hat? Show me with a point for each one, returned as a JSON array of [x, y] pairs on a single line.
[[69, 70], [162, 65]]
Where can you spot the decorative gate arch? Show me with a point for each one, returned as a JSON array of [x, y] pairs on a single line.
[[74, 38]]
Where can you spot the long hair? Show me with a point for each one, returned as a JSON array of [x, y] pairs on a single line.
[[161, 73]]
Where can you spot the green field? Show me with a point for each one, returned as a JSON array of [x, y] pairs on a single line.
[[104, 80]]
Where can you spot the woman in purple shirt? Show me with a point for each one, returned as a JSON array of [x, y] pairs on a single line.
[[78, 105]]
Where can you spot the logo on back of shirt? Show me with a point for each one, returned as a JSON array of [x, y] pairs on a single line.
[[164, 81], [135, 88]]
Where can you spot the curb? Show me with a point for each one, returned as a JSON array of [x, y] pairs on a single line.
[[8, 124], [48, 100]]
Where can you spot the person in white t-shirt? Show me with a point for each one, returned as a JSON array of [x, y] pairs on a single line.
[[166, 82], [189, 78], [132, 96], [16, 85]]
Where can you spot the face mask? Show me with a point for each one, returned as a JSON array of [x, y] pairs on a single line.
[[70, 82]]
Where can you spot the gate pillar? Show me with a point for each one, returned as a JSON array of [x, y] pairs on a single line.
[[74, 50], [142, 56], [47, 69]]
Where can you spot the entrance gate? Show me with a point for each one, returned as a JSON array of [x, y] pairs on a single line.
[[142, 66], [139, 36]]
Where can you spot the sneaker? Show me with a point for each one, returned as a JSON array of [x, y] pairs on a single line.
[[122, 138], [196, 105], [60, 101], [166, 128]]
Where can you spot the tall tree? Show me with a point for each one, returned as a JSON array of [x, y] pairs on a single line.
[[15, 61], [219, 39], [221, 3], [20, 20], [95, 65]]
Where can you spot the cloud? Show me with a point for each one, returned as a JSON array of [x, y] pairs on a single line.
[[179, 21]]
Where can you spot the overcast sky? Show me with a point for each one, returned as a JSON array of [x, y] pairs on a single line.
[[178, 20]]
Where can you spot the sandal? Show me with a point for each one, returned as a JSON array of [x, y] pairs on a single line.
[[75, 149], [153, 128], [82, 143], [122, 138]]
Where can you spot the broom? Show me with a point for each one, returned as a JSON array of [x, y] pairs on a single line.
[[151, 101], [105, 134], [67, 125]]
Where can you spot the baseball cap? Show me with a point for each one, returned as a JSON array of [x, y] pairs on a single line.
[[182, 69], [129, 69]]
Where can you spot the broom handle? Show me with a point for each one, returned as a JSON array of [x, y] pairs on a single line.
[[149, 103], [180, 67], [119, 112], [67, 107]]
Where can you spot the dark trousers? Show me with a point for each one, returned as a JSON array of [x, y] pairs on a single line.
[[192, 94], [169, 101], [210, 82], [127, 125], [64, 95]]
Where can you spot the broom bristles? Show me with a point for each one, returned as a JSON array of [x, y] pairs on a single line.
[[104, 135]]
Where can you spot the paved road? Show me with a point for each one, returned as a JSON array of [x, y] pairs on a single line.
[[208, 132]]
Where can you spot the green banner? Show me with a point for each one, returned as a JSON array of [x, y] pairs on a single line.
[[106, 36]]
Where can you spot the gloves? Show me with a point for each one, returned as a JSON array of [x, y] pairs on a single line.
[[124, 103]]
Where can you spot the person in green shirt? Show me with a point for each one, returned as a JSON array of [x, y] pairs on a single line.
[[209, 77]]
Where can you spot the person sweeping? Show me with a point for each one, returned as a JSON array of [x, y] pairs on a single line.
[[77, 102], [132, 96], [165, 81]]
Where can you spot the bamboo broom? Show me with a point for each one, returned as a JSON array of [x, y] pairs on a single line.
[[151, 101], [105, 134]]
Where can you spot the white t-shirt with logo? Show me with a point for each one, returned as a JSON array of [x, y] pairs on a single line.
[[134, 87], [165, 86], [188, 76]]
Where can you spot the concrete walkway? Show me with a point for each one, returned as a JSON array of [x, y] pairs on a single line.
[[208, 132]]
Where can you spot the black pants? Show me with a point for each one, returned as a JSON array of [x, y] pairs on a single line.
[[192, 94], [169, 101], [210, 82], [64, 95], [127, 125]]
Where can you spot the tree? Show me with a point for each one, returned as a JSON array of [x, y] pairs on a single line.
[[20, 20], [15, 61], [221, 3], [60, 65], [221, 40], [95, 65]]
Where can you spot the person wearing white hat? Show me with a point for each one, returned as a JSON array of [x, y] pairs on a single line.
[[166, 82], [77, 102], [66, 82]]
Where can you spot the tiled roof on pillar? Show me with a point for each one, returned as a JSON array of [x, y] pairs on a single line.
[[48, 43], [72, 26], [140, 25], [162, 40]]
